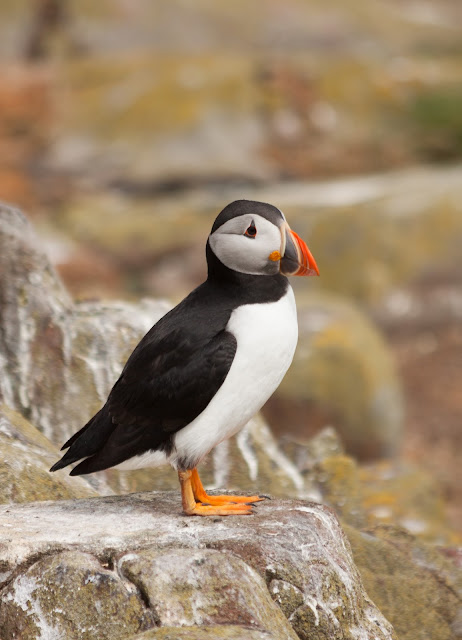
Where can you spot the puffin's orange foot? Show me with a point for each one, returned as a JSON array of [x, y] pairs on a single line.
[[196, 501], [224, 499], [199, 509], [201, 495]]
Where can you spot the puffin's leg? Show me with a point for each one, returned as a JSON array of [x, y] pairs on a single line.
[[202, 496], [193, 508]]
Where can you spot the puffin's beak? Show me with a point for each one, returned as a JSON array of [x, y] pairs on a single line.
[[296, 258]]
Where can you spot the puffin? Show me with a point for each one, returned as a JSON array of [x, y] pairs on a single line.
[[208, 365]]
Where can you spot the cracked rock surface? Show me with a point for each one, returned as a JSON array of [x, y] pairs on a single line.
[[284, 572]]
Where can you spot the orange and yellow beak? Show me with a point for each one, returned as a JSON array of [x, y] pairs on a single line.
[[296, 258]]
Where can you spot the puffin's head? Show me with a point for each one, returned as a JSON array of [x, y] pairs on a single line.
[[254, 238]]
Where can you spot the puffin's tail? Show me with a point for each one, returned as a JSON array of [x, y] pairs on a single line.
[[88, 440]]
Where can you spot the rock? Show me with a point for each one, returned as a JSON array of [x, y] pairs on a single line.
[[307, 453], [32, 299], [26, 456], [383, 492], [337, 480], [165, 569], [212, 130], [165, 253], [71, 595], [415, 586], [387, 492], [229, 115], [342, 375], [424, 326], [181, 585], [407, 495]]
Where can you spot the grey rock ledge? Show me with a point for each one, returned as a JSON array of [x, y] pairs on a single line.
[[118, 566]]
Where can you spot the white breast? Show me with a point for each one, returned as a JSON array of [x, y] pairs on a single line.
[[266, 337]]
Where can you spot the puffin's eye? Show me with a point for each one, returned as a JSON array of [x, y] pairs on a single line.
[[251, 231]]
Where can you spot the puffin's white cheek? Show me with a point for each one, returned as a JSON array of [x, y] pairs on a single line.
[[254, 255], [243, 254]]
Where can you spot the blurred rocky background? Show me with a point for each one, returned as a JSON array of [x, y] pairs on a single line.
[[126, 125]]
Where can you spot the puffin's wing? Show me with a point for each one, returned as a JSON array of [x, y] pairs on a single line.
[[171, 382], [167, 382]]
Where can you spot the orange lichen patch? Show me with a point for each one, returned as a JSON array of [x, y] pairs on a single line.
[[275, 256]]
